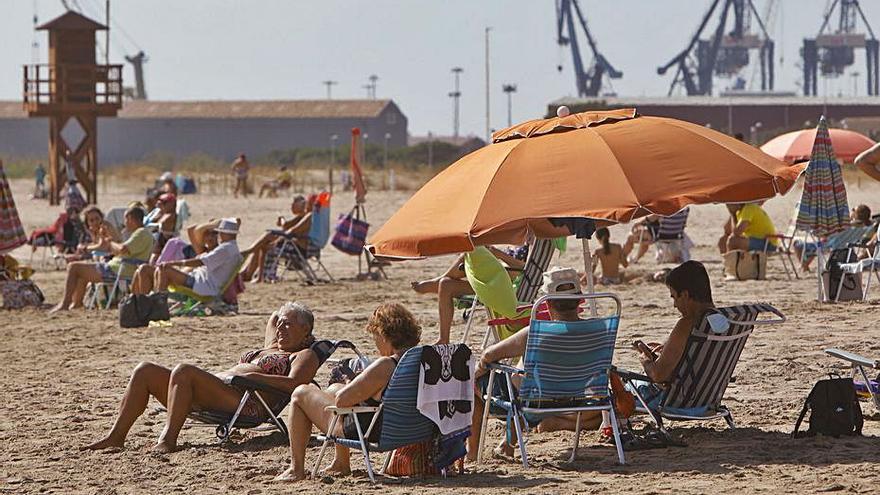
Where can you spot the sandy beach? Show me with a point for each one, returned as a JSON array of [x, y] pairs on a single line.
[[63, 376]]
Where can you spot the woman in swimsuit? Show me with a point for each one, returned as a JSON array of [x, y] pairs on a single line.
[[394, 330], [286, 363]]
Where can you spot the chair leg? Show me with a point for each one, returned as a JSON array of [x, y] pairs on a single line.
[[516, 416], [386, 463], [728, 418], [868, 284], [615, 429], [839, 287], [366, 452], [487, 401], [326, 443], [577, 437]]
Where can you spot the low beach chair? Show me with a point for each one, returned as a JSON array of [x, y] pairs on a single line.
[[295, 259], [567, 367], [105, 293], [671, 244], [226, 423], [858, 364], [871, 265], [188, 303], [402, 423], [706, 367]]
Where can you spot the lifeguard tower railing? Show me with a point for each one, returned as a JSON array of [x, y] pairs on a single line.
[[50, 88]]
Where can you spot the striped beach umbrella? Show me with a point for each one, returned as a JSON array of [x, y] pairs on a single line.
[[11, 231], [823, 209]]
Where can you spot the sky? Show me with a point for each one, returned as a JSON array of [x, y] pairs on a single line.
[[284, 49]]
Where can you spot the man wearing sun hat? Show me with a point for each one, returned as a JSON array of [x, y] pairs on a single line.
[[556, 281], [211, 270]]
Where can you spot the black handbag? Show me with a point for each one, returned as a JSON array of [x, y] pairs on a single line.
[[834, 409], [138, 310]]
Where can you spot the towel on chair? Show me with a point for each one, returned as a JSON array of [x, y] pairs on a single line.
[[446, 386]]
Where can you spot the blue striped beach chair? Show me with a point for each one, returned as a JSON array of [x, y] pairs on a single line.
[[566, 369], [705, 369], [402, 423]]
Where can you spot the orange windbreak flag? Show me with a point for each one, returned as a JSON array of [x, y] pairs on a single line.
[[357, 176]]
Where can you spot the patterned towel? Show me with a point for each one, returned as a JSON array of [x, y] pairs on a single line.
[[446, 386]]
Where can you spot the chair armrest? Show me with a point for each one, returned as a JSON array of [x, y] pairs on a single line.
[[504, 368], [241, 381], [352, 409], [853, 358], [629, 375]]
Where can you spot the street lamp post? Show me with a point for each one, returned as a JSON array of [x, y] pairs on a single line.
[[753, 131], [430, 149], [364, 148], [456, 95], [385, 151]]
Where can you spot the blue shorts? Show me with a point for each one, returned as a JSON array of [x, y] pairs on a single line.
[[756, 244], [499, 390], [108, 276]]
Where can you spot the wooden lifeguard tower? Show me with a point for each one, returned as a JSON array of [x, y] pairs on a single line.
[[72, 90]]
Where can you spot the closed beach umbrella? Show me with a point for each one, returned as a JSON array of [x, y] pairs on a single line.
[[798, 146], [610, 166], [823, 208], [11, 231]]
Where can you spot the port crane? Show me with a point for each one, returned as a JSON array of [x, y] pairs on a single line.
[[724, 54], [589, 81]]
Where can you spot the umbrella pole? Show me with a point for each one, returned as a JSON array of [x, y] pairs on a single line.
[[821, 296], [588, 271]]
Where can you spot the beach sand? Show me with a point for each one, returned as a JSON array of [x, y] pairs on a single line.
[[62, 377]]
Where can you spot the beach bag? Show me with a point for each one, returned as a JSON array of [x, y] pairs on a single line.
[[852, 282], [351, 234], [20, 293], [138, 310], [834, 409], [411, 460], [745, 265]]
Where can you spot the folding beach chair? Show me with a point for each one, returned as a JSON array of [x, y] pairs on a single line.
[[859, 363], [189, 303], [567, 369], [401, 422], [106, 293], [295, 259], [671, 244], [701, 377], [526, 286], [226, 423], [870, 265]]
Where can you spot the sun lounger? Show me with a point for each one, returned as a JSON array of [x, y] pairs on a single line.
[[671, 242], [401, 422], [705, 369], [566, 369]]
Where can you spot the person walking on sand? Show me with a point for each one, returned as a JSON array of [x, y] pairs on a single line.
[[240, 169]]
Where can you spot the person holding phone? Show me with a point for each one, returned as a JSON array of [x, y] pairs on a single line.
[[691, 294]]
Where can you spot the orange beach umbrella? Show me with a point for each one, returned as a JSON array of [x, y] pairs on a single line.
[[797, 146], [610, 166]]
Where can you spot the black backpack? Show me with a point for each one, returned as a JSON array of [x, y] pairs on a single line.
[[138, 310], [834, 409]]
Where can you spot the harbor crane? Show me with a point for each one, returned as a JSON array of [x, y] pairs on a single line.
[[723, 54], [830, 53], [589, 82]]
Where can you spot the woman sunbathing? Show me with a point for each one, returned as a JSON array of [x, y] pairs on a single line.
[[285, 363], [394, 330]]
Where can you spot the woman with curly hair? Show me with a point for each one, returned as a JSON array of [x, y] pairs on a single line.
[[394, 330]]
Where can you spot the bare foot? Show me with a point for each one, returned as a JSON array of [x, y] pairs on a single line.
[[421, 287], [106, 443], [337, 469], [58, 307], [163, 447], [504, 451], [289, 475]]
